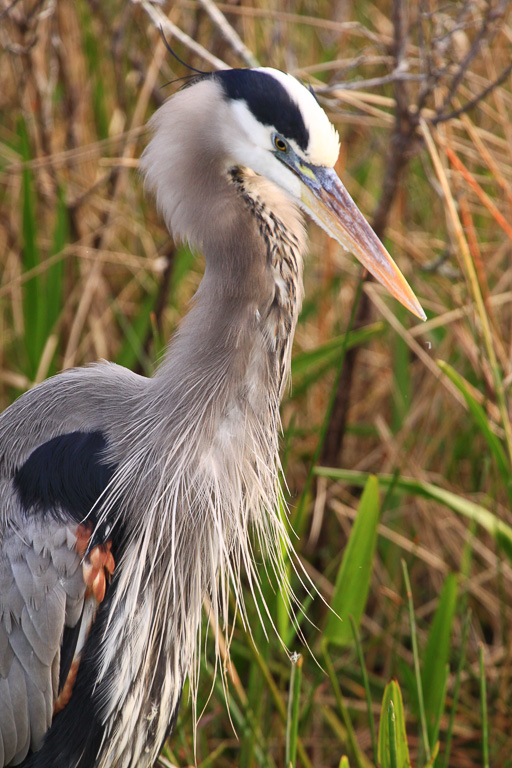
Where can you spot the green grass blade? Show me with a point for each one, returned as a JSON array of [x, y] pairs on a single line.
[[437, 653], [358, 755], [292, 719], [42, 293], [308, 367], [416, 657], [184, 261], [31, 258], [402, 386], [53, 278], [135, 332], [456, 689], [353, 579], [499, 530], [242, 720], [480, 418], [393, 751], [435, 753], [393, 747], [284, 610], [328, 353], [437, 725], [55, 272], [483, 707], [256, 698], [273, 689], [299, 515], [366, 684], [344, 762]]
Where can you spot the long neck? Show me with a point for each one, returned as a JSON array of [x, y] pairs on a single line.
[[252, 239], [247, 303]]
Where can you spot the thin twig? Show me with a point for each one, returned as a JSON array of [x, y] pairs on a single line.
[[229, 34], [483, 706], [417, 672], [443, 117], [373, 82], [295, 18], [456, 689], [8, 9], [483, 34], [160, 20]]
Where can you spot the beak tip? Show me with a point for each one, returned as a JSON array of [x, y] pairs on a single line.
[[329, 203]]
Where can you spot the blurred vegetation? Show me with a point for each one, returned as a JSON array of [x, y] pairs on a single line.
[[419, 670]]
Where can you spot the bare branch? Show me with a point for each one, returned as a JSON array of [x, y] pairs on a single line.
[[374, 82], [444, 117], [160, 20], [483, 34], [402, 138]]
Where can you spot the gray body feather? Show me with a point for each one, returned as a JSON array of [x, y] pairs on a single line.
[[196, 451]]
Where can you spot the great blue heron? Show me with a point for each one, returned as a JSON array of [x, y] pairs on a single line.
[[126, 500]]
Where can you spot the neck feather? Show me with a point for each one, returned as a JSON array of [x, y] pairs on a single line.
[[250, 295]]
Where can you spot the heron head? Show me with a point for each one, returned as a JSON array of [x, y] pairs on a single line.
[[279, 130]]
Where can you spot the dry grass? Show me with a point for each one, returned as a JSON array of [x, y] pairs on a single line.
[[88, 271]]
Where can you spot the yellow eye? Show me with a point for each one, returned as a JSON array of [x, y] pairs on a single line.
[[280, 144]]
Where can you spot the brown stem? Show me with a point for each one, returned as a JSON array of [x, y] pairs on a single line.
[[401, 143]]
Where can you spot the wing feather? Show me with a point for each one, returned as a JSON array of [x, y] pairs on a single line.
[[6, 652], [42, 585], [43, 628], [39, 717], [33, 667], [53, 441], [18, 691], [9, 725], [42, 594]]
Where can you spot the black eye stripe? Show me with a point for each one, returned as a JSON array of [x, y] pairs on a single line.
[[268, 100]]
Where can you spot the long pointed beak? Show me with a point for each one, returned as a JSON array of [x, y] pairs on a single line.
[[328, 202]]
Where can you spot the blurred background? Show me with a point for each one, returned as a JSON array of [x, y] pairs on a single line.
[[421, 94]]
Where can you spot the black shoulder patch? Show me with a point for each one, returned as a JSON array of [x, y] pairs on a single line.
[[67, 472], [268, 100]]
